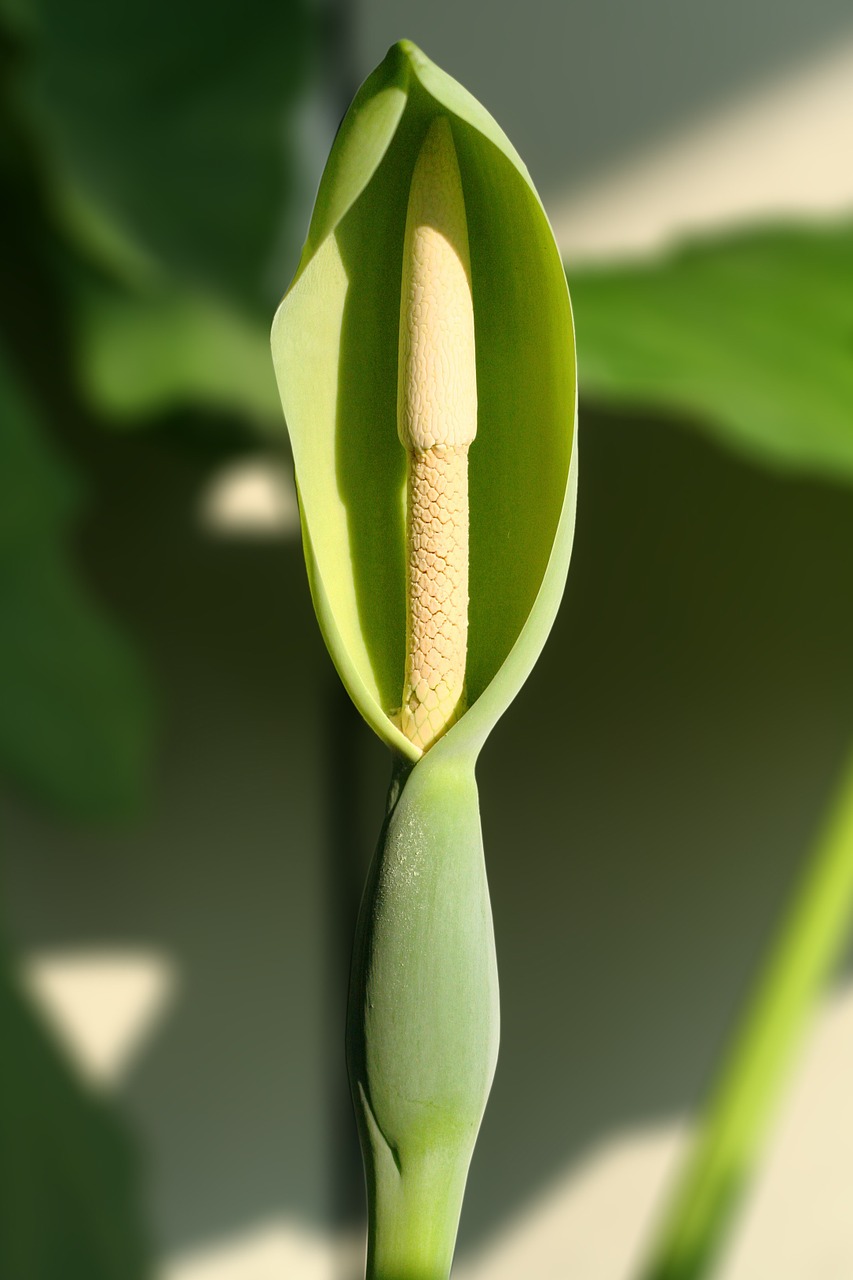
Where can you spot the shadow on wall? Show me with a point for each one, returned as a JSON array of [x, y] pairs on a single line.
[[646, 804], [539, 68]]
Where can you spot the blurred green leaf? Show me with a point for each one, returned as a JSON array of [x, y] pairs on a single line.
[[68, 1193], [142, 354], [37, 492], [75, 721], [749, 336], [163, 138], [168, 123]]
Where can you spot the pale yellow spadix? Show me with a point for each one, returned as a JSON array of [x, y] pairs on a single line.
[[436, 423]]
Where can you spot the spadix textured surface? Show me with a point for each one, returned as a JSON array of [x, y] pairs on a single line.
[[437, 593], [429, 306], [436, 422]]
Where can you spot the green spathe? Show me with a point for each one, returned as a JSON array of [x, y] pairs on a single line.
[[423, 1020], [335, 351]]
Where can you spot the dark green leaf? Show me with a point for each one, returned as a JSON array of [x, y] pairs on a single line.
[[143, 353], [37, 492], [166, 123], [68, 1193], [75, 721], [749, 336]]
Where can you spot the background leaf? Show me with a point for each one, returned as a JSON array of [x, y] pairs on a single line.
[[160, 144], [68, 1189], [167, 119], [75, 728], [749, 336], [140, 354]]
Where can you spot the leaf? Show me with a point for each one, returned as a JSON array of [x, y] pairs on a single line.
[[335, 350], [143, 353], [68, 1183], [750, 336], [165, 129], [164, 139], [75, 726], [37, 492]]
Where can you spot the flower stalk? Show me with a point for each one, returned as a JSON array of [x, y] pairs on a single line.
[[423, 1023]]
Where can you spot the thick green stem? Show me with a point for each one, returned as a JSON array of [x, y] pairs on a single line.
[[415, 1217], [799, 964], [422, 1030]]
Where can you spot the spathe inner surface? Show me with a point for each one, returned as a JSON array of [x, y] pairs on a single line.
[[519, 468]]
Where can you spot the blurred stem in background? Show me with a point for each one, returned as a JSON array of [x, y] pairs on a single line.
[[800, 962]]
